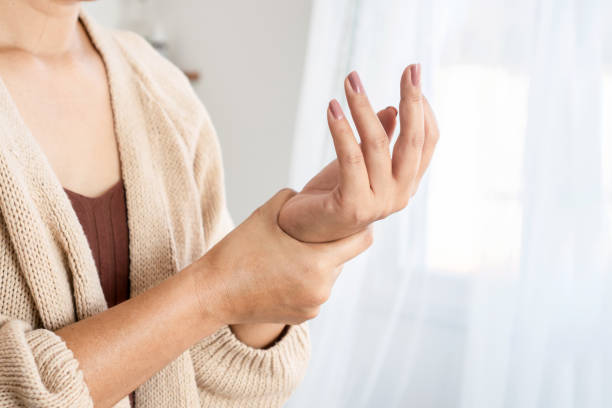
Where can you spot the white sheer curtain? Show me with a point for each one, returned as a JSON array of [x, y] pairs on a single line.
[[494, 287]]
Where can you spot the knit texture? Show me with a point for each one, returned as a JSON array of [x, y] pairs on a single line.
[[172, 171]]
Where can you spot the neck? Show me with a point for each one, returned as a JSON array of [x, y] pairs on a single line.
[[39, 27]]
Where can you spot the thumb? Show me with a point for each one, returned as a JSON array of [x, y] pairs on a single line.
[[271, 208], [345, 249]]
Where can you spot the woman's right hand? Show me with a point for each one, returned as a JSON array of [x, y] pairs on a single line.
[[259, 274]]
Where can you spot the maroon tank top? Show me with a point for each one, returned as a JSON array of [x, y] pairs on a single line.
[[104, 221]]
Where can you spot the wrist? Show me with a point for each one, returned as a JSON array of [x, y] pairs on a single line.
[[206, 293]]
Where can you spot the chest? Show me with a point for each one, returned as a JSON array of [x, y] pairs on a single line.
[[67, 108], [50, 260]]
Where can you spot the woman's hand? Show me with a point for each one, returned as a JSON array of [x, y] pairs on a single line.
[[366, 183], [259, 274]]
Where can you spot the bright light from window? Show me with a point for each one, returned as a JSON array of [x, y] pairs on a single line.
[[474, 213], [607, 148]]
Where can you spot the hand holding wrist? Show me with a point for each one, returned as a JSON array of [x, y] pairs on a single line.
[[259, 274]]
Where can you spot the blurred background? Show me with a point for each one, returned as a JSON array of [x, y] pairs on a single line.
[[493, 288]]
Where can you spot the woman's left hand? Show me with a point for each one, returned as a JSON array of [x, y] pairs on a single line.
[[366, 183]]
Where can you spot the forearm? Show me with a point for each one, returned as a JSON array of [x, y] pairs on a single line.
[[122, 347]]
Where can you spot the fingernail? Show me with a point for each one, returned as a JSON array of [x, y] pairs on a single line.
[[355, 82], [394, 110], [415, 74], [335, 109]]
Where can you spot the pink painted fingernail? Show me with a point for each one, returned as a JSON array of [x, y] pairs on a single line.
[[335, 109], [355, 82], [415, 74], [394, 110]]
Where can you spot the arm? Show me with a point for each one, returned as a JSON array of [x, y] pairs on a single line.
[[120, 348], [99, 360]]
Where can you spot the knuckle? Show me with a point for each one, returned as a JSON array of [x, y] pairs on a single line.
[[378, 143], [353, 157], [414, 97], [417, 139]]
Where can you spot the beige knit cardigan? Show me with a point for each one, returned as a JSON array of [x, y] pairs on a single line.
[[171, 167]]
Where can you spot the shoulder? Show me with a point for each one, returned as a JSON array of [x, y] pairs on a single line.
[[153, 67], [165, 82], [163, 88]]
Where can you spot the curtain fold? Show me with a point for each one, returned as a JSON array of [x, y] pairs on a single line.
[[492, 288]]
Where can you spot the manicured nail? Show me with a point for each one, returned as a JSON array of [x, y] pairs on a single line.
[[355, 82], [415, 74], [335, 109], [394, 110]]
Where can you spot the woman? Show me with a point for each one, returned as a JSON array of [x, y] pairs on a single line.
[[107, 151]]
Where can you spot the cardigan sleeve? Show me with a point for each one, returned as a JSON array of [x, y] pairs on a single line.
[[37, 369], [228, 372]]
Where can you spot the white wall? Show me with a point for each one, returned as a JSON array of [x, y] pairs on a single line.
[[107, 12], [250, 54]]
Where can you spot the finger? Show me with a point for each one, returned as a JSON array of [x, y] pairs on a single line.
[[353, 173], [432, 134], [388, 120], [374, 140], [345, 249], [272, 207], [409, 146]]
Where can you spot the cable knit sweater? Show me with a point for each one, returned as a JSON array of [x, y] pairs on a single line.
[[171, 167]]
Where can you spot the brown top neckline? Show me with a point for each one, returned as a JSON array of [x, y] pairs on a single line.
[[104, 222], [117, 186]]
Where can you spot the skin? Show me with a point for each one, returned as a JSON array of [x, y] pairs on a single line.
[[53, 71], [366, 182], [286, 269]]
